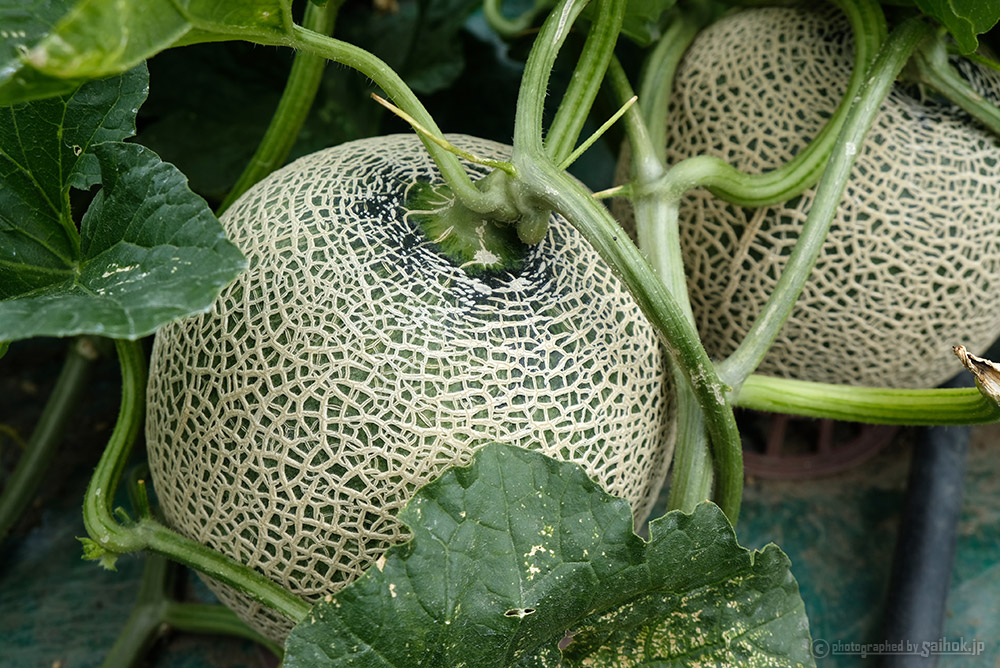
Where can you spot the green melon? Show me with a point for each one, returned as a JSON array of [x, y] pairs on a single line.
[[353, 362], [911, 265]]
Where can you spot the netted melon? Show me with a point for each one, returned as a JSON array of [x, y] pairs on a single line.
[[912, 263], [353, 362]]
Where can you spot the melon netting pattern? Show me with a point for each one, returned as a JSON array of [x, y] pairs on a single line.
[[351, 363], [911, 265]]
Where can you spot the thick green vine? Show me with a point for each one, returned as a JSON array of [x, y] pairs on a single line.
[[575, 105], [932, 67], [550, 186], [494, 203], [873, 405], [155, 611], [804, 170], [110, 537]]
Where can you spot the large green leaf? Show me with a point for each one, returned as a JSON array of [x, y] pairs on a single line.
[[518, 553], [148, 249], [22, 25], [964, 19], [45, 148], [51, 48]]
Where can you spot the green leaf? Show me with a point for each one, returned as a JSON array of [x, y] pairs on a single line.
[[964, 19], [151, 251], [148, 251], [248, 18], [45, 148], [52, 49], [22, 25], [518, 553]]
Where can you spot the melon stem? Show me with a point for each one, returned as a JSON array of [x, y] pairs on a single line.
[[493, 203], [470, 240], [872, 405], [657, 79], [680, 339], [798, 174], [575, 105], [656, 216], [559, 191]]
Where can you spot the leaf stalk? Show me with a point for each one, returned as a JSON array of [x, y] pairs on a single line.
[[585, 83], [933, 68], [872, 405], [493, 203]]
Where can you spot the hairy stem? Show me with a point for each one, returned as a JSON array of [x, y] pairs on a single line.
[[41, 448], [586, 81], [535, 80], [155, 611], [805, 169], [162, 540], [891, 59], [213, 619], [110, 538], [293, 108], [145, 622], [658, 235], [657, 80], [98, 514], [692, 477], [646, 162]]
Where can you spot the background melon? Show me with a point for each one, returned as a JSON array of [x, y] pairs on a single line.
[[911, 266]]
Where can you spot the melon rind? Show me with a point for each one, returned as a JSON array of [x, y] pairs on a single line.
[[911, 265], [351, 363]]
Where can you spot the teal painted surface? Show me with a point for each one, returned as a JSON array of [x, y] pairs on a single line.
[[840, 535], [50, 600]]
